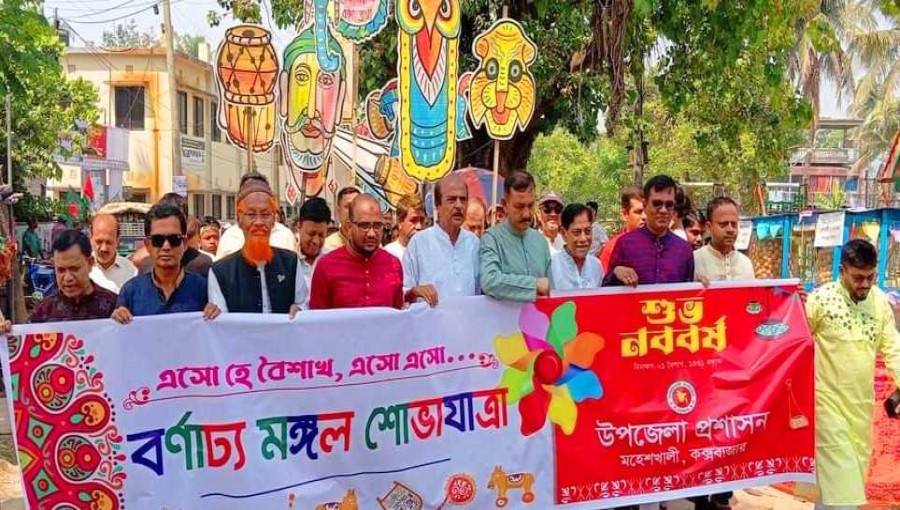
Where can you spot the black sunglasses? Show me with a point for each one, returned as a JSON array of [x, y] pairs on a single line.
[[553, 208], [158, 240]]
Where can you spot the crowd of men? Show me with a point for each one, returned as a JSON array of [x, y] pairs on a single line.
[[262, 266]]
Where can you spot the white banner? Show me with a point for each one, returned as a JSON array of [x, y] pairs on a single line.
[[358, 409]]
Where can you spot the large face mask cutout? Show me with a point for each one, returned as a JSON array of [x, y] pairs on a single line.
[[502, 94]]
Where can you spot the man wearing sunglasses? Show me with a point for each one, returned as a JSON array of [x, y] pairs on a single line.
[[360, 274], [167, 288], [551, 207], [652, 254], [260, 278]]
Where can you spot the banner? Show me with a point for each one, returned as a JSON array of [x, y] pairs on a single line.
[[586, 401]]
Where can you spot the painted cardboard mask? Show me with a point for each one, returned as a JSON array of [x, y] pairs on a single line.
[[360, 20], [312, 99], [427, 70], [502, 94]]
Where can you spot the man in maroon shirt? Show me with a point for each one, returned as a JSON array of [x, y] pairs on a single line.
[[361, 274], [78, 298]]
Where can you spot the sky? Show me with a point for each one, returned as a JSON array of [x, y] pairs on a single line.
[[89, 19]]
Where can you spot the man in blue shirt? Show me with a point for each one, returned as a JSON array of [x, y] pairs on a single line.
[[167, 288]]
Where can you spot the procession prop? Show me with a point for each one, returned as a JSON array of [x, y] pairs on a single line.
[[247, 70], [428, 71], [502, 93]]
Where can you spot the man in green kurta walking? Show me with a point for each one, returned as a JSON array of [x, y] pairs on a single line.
[[851, 321], [515, 258]]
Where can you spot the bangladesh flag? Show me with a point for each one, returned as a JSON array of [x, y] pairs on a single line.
[[891, 170]]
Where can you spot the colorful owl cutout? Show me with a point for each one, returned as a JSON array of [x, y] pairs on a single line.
[[502, 94], [427, 70]]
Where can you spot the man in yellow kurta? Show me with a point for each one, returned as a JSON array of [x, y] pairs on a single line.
[[851, 321]]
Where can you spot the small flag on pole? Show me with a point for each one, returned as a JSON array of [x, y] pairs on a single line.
[[891, 167], [88, 189]]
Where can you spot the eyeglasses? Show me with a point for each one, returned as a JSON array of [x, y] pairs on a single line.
[[553, 208], [369, 225], [174, 240], [663, 204], [266, 216]]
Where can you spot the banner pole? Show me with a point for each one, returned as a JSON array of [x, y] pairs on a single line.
[[495, 181]]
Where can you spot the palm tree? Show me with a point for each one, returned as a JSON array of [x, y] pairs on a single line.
[[819, 52], [876, 98]]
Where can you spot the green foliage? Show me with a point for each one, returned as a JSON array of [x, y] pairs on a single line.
[[128, 35], [189, 44], [580, 172], [39, 207], [45, 104]]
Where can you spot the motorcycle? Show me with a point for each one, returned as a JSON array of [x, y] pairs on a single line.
[[40, 280]]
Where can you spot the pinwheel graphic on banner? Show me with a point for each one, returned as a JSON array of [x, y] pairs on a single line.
[[247, 69], [502, 93], [427, 70]]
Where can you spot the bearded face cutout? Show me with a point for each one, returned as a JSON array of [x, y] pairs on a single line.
[[502, 93]]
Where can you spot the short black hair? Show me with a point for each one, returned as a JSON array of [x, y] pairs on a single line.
[[72, 237], [719, 202], [315, 210], [631, 193], [176, 200], [660, 183], [346, 190], [209, 221], [518, 180], [163, 211], [573, 211], [592, 205], [859, 253], [692, 218], [683, 203]]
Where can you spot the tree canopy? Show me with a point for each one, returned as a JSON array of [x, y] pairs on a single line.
[[45, 103]]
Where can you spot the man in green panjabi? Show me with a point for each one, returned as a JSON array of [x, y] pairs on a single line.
[[515, 258], [851, 321]]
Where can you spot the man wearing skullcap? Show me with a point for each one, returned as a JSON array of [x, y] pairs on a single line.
[[259, 278]]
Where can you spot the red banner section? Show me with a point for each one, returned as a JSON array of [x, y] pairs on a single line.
[[700, 392]]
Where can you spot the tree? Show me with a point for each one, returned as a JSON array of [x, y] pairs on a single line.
[[128, 35], [44, 102], [580, 172], [189, 44], [588, 49]]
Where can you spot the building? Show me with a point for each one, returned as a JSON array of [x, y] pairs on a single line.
[[134, 94], [826, 170]]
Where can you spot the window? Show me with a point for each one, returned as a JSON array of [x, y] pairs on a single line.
[[71, 68], [229, 207], [217, 207], [182, 112], [213, 114], [130, 107], [198, 206], [199, 128], [214, 124]]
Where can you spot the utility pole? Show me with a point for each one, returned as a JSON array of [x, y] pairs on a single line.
[[173, 97], [9, 138]]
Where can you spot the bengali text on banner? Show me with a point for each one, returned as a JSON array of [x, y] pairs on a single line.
[[590, 401]]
